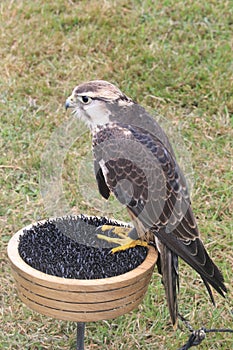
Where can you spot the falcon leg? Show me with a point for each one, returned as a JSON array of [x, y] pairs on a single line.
[[124, 233]]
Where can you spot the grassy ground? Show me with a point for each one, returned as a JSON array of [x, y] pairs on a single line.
[[172, 56]]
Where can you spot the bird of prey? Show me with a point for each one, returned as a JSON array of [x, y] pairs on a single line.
[[134, 160]]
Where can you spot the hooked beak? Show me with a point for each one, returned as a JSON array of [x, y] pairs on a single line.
[[69, 102]]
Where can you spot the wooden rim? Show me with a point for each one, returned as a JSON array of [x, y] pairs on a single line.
[[21, 265], [79, 300]]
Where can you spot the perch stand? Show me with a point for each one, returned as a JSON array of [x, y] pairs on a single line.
[[79, 300]]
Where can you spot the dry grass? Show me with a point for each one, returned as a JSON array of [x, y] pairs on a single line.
[[173, 56]]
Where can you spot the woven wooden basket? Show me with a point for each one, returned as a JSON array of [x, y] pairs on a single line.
[[79, 300]]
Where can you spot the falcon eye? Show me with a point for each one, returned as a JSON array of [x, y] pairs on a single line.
[[86, 99]]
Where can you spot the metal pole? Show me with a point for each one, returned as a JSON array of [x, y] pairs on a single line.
[[80, 335]]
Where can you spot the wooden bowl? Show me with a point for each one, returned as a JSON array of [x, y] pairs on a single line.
[[79, 300]]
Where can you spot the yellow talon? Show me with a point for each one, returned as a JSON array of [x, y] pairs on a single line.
[[131, 244], [120, 231], [125, 242]]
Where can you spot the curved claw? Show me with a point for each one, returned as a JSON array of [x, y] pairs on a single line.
[[130, 244], [124, 241]]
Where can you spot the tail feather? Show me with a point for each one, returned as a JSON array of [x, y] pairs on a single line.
[[169, 271]]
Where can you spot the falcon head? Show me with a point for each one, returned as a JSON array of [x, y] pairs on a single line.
[[91, 101]]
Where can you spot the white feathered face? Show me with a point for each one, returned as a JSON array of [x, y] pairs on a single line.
[[89, 101]]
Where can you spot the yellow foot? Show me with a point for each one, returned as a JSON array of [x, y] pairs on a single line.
[[125, 242]]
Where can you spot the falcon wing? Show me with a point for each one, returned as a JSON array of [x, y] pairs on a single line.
[[145, 177]]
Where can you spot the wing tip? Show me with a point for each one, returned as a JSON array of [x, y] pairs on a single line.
[[218, 285]]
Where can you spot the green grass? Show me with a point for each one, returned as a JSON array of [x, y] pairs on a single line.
[[171, 56]]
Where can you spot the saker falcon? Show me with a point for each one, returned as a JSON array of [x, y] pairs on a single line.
[[134, 160]]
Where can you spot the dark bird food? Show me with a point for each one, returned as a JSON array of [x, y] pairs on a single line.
[[68, 247]]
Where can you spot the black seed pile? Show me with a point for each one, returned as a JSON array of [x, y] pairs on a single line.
[[56, 247]]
